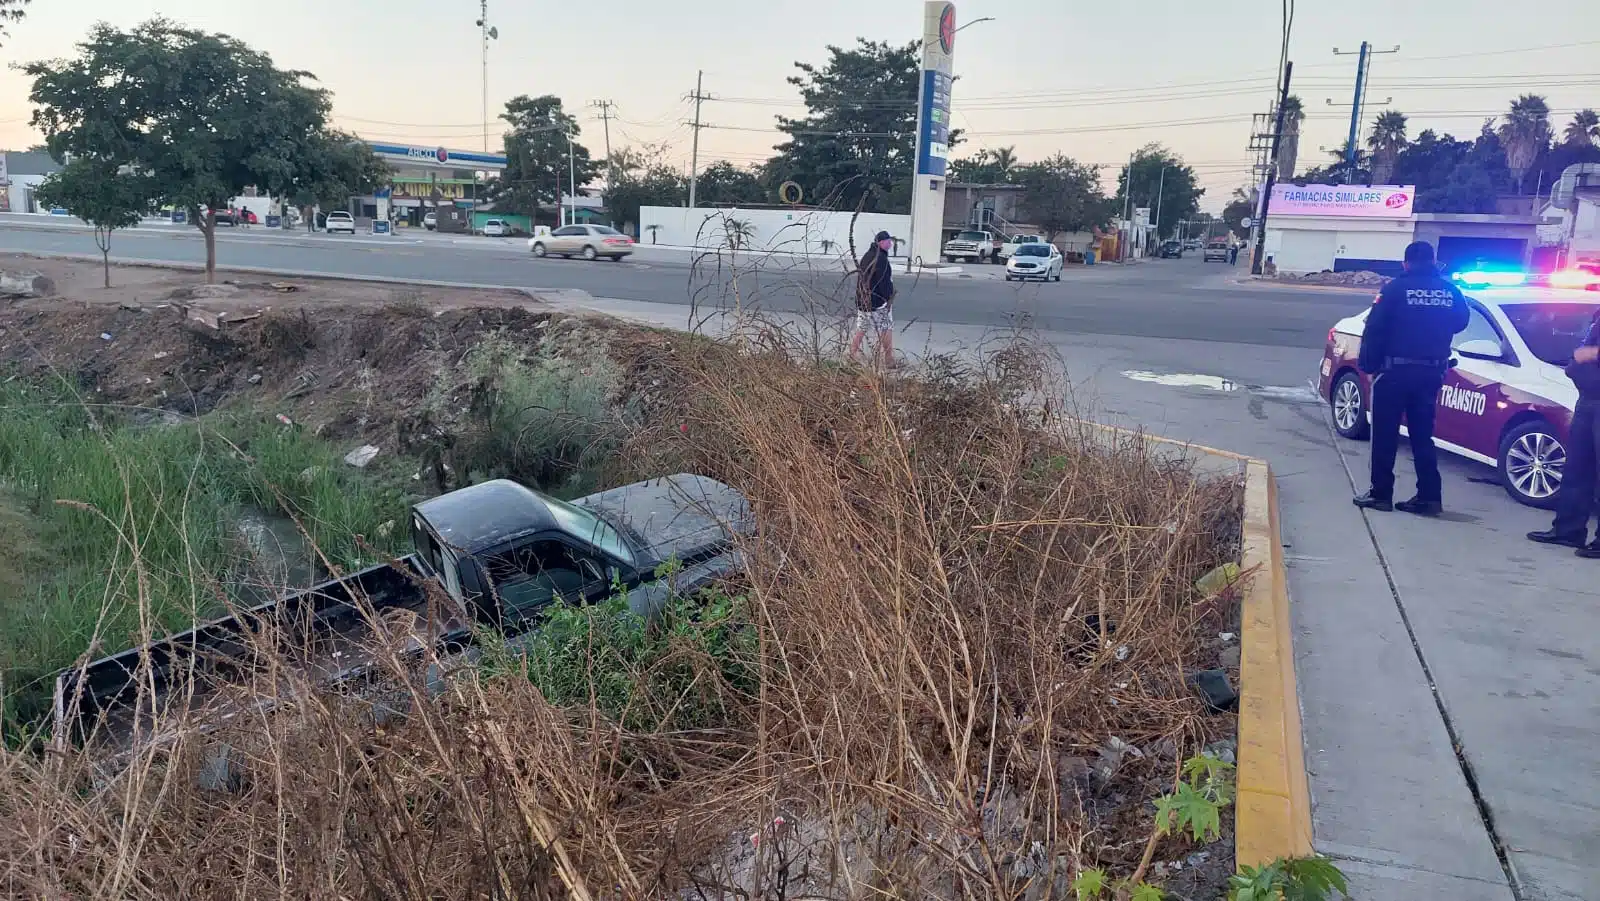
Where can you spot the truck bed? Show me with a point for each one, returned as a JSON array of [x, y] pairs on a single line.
[[322, 629]]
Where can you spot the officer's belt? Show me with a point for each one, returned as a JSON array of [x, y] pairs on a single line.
[[1413, 361]]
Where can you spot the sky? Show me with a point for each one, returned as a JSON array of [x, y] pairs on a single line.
[[1092, 80]]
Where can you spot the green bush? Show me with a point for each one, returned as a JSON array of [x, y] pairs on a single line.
[[540, 419]]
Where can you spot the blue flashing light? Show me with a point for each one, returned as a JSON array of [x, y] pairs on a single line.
[[1481, 278]]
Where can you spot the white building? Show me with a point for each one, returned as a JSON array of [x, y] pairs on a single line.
[[1311, 228], [20, 174]]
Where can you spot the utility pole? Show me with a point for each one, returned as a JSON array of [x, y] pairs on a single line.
[[489, 33], [694, 152], [605, 117], [1272, 172], [1363, 69], [1127, 210], [1161, 188]]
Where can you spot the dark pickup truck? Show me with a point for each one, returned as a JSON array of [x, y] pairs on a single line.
[[500, 552]]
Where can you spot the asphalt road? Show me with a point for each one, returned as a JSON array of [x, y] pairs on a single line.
[[1166, 299]]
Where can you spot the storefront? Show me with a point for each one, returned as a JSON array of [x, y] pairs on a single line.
[[425, 177], [1343, 228]]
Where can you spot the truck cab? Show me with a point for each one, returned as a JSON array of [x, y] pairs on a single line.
[[495, 555]]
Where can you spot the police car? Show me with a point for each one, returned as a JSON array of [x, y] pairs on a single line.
[[1506, 400]]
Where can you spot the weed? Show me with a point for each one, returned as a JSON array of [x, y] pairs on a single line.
[[1289, 879], [543, 420], [132, 526]]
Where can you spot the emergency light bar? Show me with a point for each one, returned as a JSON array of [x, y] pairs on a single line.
[[1487, 278]]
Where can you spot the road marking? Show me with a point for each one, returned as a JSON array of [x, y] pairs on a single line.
[[1182, 380]]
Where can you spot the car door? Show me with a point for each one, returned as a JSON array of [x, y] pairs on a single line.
[[568, 239], [1471, 414]]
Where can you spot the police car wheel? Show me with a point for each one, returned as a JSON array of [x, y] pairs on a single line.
[[1349, 408], [1531, 463]]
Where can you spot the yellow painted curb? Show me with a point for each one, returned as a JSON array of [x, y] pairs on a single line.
[[1273, 817], [1273, 810]]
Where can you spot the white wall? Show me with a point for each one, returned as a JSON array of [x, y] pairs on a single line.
[[785, 231], [1586, 231], [1299, 244], [18, 192]]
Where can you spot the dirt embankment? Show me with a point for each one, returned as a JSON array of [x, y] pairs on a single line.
[[346, 360]]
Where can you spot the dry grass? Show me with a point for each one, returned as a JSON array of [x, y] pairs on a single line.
[[955, 598]]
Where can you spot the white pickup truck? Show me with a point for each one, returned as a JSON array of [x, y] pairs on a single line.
[[1010, 247], [971, 245]]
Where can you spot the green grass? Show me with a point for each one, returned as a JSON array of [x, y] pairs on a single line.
[[104, 518]]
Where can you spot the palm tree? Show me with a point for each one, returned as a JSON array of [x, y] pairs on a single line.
[[1005, 159], [1289, 145], [1584, 129], [1525, 133], [1387, 140]]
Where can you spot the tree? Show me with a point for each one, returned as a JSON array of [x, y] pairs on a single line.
[[1159, 174], [1294, 115], [854, 147], [987, 167], [1583, 130], [200, 116], [724, 184], [657, 186], [537, 170], [97, 193], [1525, 134], [1388, 138], [1240, 208], [1063, 195], [10, 11], [337, 167]]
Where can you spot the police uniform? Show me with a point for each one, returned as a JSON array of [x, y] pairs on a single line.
[[1406, 345]]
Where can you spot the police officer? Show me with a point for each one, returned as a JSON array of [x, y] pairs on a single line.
[[1577, 498], [1406, 346]]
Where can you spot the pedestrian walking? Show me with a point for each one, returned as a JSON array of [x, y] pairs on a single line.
[[1577, 500], [1233, 253], [1406, 346], [875, 298]]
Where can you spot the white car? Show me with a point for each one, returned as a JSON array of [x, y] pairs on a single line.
[[1040, 261], [971, 245], [430, 221], [587, 241], [1506, 400], [340, 221], [496, 228], [1010, 247]]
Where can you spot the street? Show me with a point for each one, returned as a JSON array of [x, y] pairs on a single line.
[[1171, 299], [1445, 667]]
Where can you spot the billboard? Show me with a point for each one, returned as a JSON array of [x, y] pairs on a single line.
[[938, 47], [1349, 201]]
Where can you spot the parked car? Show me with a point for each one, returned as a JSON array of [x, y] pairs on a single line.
[[1215, 251], [972, 245], [501, 552], [430, 221], [340, 221], [587, 241], [1010, 247], [223, 217], [1040, 261], [1506, 401], [496, 228], [1171, 250]]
